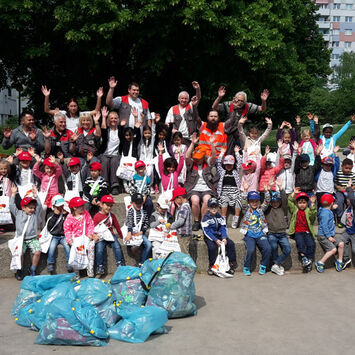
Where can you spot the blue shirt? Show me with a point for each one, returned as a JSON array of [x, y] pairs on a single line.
[[255, 229], [326, 222]]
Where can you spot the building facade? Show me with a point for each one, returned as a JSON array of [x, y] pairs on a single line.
[[9, 104]]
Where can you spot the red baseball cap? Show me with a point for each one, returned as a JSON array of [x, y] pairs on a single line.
[[48, 163], [327, 199], [139, 164], [95, 166], [74, 161], [26, 200], [76, 202], [179, 191], [107, 199], [302, 195], [25, 156], [250, 165]]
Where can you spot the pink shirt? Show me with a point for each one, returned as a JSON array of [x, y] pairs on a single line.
[[73, 227], [53, 189], [6, 184], [165, 178]]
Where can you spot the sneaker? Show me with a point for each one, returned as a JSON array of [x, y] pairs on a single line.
[[19, 275], [340, 225], [100, 270], [90, 273], [50, 268], [279, 270], [196, 226], [152, 191], [246, 271], [230, 272], [235, 222], [309, 266], [115, 190], [210, 272], [319, 266], [339, 265], [305, 261], [70, 269], [346, 263], [262, 270]]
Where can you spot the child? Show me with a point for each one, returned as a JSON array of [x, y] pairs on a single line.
[[326, 234], [254, 229], [160, 218], [141, 184], [109, 219], [350, 151], [146, 149], [252, 142], [27, 225], [137, 223], [5, 194], [343, 176], [276, 217], [287, 136], [55, 226], [74, 177], [251, 171], [301, 227], [49, 178], [175, 149], [78, 223], [286, 174], [215, 231], [228, 189], [95, 187], [183, 220]]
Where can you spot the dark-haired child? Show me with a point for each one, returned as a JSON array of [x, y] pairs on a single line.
[[175, 149]]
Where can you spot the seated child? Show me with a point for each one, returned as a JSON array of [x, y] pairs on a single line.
[[349, 151], [343, 176], [55, 226], [94, 188], [215, 231], [77, 224], [74, 175], [109, 219], [183, 220], [137, 223], [141, 184], [302, 219], [27, 225], [254, 229], [276, 217], [326, 234]]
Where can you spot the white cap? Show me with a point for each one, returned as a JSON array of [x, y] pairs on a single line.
[[58, 200], [163, 202], [271, 157]]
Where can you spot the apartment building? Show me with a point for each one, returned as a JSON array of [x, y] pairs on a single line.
[[9, 104]]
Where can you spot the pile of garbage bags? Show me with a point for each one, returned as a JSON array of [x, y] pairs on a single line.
[[132, 305]]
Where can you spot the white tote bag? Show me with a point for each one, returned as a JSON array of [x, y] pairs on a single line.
[[170, 243], [221, 265], [69, 194], [15, 246], [128, 200], [45, 237], [5, 215], [78, 258], [103, 231], [168, 193], [156, 234], [25, 190], [136, 240], [126, 169]]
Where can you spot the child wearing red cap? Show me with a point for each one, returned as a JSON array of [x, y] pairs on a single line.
[[109, 220], [75, 176], [77, 223], [49, 178], [326, 234], [95, 187], [27, 225], [301, 225]]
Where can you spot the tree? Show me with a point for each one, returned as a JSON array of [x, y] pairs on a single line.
[[73, 46]]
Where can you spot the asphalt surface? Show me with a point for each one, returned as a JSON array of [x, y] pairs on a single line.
[[293, 314]]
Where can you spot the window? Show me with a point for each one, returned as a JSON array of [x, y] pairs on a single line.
[[336, 6], [336, 32], [335, 56], [347, 44], [9, 92], [336, 18], [335, 44], [347, 32], [348, 19], [348, 6]]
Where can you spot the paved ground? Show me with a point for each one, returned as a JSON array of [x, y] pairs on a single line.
[[294, 314]]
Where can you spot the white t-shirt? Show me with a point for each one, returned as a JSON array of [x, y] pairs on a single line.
[[183, 125], [72, 123], [134, 103], [201, 184], [325, 182], [113, 142]]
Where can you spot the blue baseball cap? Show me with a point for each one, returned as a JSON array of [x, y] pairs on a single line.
[[212, 202], [253, 195], [305, 157], [275, 195]]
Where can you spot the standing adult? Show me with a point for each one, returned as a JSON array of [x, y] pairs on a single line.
[[25, 136], [184, 116], [125, 104]]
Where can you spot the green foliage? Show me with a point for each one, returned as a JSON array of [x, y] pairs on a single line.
[[73, 46]]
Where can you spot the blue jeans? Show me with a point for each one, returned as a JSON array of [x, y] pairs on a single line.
[[264, 247], [147, 249], [148, 206], [274, 240], [57, 239], [100, 249], [305, 244]]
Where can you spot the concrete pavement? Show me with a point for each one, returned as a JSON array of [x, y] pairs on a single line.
[[293, 314]]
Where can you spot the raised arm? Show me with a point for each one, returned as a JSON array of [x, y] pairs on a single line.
[[99, 94], [264, 96], [46, 92], [191, 148], [112, 82], [197, 87], [267, 131], [221, 93]]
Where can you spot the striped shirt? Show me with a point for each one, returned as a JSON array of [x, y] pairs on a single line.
[[342, 179], [137, 221]]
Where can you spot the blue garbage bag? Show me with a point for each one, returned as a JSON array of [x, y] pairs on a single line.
[[72, 323], [23, 299], [138, 323], [127, 286], [99, 294], [23, 315], [149, 269], [173, 287]]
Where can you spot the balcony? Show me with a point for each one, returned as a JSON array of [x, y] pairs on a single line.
[[323, 12], [323, 24]]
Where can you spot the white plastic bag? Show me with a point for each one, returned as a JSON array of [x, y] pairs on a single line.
[[126, 170], [5, 215], [135, 241], [45, 237], [221, 265], [170, 243], [103, 231], [78, 258]]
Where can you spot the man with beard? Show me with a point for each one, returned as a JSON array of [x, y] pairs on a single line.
[[212, 132]]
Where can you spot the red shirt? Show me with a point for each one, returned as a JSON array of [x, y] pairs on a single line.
[[100, 217], [301, 222]]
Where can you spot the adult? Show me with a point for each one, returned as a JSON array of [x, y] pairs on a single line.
[[125, 104], [58, 140], [73, 112], [184, 116], [212, 133], [25, 136], [110, 158]]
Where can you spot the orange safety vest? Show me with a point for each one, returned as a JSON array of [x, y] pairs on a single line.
[[219, 138]]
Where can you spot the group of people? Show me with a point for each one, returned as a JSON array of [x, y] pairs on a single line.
[[65, 177]]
